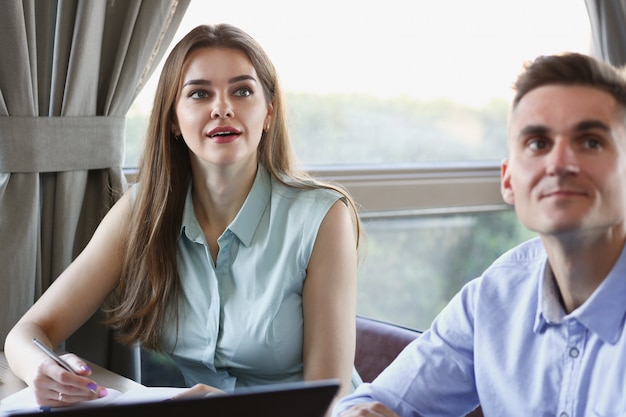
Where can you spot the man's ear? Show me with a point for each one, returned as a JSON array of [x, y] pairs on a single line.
[[505, 183]]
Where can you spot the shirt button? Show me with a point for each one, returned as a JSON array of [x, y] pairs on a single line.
[[563, 414], [573, 352]]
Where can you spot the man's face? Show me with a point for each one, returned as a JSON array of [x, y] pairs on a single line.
[[567, 161]]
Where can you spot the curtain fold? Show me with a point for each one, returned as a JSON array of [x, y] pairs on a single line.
[[608, 29], [70, 70]]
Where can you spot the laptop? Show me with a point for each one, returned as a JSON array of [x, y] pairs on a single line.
[[292, 399]]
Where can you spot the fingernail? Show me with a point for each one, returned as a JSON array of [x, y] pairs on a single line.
[[85, 368], [103, 393], [92, 387]]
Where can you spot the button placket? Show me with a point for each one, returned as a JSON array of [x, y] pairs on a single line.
[[576, 335]]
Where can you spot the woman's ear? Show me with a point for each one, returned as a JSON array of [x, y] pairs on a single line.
[[175, 130], [268, 117], [505, 183]]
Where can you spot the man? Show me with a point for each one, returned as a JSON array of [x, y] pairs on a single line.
[[541, 332]]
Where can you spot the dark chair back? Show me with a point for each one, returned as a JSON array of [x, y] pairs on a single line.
[[377, 345]]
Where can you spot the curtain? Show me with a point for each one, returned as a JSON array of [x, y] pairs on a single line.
[[608, 29], [69, 71]]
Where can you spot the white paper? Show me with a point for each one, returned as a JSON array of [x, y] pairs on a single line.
[[24, 400], [146, 394]]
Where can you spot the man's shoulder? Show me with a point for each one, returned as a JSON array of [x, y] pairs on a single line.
[[522, 265], [526, 253], [510, 284]]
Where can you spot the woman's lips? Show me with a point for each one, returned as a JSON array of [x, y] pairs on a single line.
[[224, 134]]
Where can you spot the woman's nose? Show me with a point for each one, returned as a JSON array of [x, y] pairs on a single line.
[[222, 110]]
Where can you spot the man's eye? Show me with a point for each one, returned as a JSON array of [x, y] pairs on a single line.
[[537, 144], [592, 143]]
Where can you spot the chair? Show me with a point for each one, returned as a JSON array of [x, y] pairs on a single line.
[[377, 345]]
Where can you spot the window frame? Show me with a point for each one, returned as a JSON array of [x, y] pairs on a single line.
[[418, 190], [413, 190]]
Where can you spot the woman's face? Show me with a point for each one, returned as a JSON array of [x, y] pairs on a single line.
[[221, 110]]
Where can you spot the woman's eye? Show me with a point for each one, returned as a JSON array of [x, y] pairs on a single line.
[[198, 94], [243, 92]]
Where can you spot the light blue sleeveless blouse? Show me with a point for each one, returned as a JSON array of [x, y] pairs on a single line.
[[240, 319]]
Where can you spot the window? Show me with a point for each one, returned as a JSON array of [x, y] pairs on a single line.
[[393, 82], [405, 103]]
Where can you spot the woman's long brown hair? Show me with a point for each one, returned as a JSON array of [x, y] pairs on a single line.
[[147, 295]]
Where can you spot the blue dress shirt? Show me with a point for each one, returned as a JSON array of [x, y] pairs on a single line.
[[505, 342]]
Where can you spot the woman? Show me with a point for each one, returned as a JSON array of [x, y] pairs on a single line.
[[223, 255]]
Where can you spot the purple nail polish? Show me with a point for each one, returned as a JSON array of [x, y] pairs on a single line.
[[103, 393], [85, 368], [92, 387]]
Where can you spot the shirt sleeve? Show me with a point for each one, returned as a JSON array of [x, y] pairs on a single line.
[[433, 375]]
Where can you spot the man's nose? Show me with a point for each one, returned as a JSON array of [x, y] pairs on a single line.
[[562, 159]]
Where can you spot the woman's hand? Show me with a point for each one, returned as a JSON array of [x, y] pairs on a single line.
[[55, 387], [198, 391], [374, 409]]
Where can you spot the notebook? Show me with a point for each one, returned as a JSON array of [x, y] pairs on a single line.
[[293, 399]]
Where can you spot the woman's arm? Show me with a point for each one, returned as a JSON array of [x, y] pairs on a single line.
[[73, 297], [329, 300]]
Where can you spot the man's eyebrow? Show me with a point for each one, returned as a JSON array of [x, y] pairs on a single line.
[[230, 81], [532, 130], [592, 124]]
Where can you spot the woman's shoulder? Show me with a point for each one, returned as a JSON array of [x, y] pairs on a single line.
[[295, 192]]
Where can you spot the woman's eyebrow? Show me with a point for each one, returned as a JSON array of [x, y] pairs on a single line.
[[230, 81], [241, 78], [196, 82]]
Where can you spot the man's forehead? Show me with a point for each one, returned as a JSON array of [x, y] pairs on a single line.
[[560, 106]]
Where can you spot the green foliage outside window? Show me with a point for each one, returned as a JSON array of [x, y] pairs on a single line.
[[412, 267]]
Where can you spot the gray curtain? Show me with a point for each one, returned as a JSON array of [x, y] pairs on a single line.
[[69, 71], [608, 29]]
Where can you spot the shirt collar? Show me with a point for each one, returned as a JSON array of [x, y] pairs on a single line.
[[549, 307], [603, 313], [190, 226], [247, 220]]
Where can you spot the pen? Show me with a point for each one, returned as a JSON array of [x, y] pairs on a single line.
[[53, 355]]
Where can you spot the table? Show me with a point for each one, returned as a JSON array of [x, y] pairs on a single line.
[[10, 384]]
